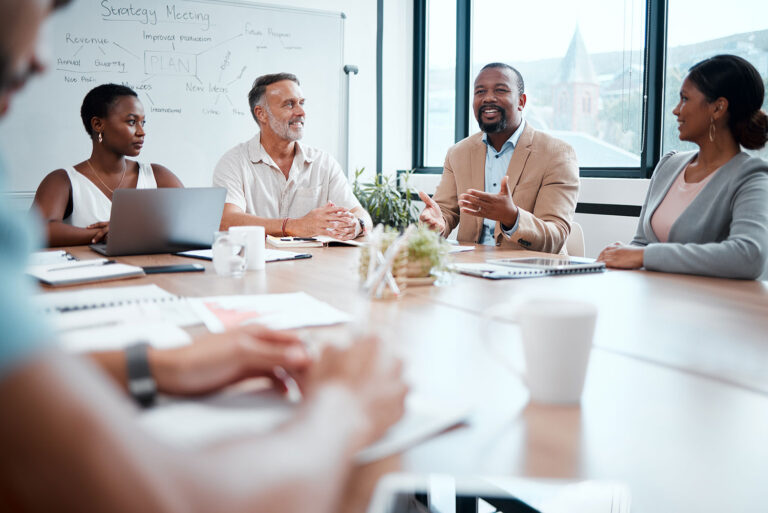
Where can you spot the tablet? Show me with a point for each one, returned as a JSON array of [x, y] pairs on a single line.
[[439, 493], [569, 264]]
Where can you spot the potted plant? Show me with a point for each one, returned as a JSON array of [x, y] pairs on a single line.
[[385, 202], [423, 257], [427, 251]]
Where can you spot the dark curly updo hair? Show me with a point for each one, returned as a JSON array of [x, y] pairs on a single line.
[[99, 100], [736, 80]]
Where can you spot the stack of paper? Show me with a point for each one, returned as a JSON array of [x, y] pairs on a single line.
[[276, 311]]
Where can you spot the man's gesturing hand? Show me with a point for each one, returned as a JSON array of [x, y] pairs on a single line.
[[498, 207], [432, 216]]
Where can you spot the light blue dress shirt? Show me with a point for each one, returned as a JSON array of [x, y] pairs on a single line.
[[22, 332], [496, 164]]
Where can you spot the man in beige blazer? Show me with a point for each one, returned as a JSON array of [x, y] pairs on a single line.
[[528, 203]]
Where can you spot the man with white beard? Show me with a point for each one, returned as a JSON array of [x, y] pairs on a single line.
[[274, 181]]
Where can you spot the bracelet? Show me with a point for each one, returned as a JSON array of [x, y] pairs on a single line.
[[285, 222]]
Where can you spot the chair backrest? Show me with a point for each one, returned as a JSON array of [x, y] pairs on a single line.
[[574, 245]]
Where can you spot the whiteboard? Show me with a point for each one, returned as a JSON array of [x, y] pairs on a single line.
[[192, 63]]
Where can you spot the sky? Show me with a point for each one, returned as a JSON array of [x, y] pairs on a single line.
[[532, 30]]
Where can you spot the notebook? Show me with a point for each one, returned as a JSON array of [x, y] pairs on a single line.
[[270, 255], [89, 299], [112, 318], [93, 309], [529, 267], [309, 242], [76, 272]]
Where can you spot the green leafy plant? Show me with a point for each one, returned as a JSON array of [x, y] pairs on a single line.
[[387, 204], [429, 248]]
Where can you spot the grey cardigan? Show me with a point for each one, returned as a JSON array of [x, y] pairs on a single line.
[[722, 233]]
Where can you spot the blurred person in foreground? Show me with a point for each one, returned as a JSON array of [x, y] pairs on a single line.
[[69, 438]]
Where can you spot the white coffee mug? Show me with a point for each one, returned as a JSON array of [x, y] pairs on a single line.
[[557, 342], [252, 237]]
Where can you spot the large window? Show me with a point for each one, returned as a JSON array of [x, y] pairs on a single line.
[[700, 29], [601, 75], [440, 83], [583, 71]]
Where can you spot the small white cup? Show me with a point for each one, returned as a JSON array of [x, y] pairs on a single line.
[[228, 255], [252, 237], [557, 342]]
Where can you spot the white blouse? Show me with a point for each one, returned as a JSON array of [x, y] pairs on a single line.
[[89, 204]]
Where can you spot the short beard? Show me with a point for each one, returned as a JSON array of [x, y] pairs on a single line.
[[283, 130], [493, 128]]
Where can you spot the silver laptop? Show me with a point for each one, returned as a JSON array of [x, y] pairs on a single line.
[[145, 221]]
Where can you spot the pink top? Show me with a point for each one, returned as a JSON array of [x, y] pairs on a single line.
[[678, 197]]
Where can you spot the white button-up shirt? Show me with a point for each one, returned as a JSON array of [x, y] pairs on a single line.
[[257, 185]]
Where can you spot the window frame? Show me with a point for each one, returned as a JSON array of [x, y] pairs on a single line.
[[654, 55]]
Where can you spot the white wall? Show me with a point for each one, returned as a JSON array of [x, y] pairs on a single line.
[[360, 50], [601, 230], [397, 118], [397, 80]]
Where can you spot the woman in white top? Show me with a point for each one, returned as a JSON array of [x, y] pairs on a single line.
[[77, 201]]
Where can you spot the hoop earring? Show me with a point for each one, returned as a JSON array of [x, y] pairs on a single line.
[[712, 130], [101, 139]]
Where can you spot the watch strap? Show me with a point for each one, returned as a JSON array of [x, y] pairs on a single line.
[[141, 384]]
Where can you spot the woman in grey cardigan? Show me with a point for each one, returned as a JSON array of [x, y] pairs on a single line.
[[706, 211]]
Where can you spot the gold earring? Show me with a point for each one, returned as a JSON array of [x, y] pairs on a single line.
[[712, 130], [101, 139]]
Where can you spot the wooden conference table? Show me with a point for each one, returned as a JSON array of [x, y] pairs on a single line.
[[676, 399]]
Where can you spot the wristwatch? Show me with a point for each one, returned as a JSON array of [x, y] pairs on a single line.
[[141, 384], [362, 224]]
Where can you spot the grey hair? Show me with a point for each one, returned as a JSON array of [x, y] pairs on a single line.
[[256, 94]]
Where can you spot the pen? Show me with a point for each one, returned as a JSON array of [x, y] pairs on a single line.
[[83, 264], [298, 238]]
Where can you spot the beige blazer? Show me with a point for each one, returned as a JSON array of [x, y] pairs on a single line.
[[544, 180]]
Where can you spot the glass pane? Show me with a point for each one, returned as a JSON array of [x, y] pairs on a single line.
[[440, 104], [582, 63], [702, 28]]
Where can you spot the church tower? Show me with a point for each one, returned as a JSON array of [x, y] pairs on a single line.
[[576, 92]]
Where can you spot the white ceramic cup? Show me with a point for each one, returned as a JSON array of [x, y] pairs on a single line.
[[252, 237], [557, 342]]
